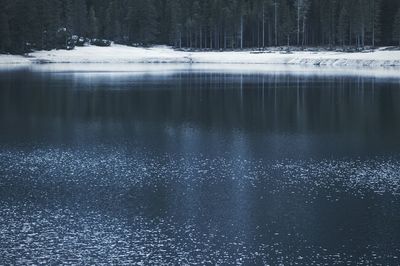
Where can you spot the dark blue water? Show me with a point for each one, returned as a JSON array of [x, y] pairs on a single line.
[[197, 167]]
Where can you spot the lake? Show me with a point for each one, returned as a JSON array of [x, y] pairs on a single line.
[[158, 165]]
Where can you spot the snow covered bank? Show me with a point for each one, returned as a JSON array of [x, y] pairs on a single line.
[[13, 59], [163, 54]]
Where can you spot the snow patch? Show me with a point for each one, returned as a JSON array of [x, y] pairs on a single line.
[[165, 54]]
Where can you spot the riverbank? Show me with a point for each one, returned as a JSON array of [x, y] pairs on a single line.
[[163, 54]]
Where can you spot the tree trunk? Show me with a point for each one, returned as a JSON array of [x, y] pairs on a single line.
[[304, 33], [276, 23], [201, 38], [211, 39], [298, 23], [263, 26], [241, 32]]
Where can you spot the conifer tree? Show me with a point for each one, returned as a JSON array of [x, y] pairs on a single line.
[[343, 26], [80, 18], [396, 28], [5, 40], [374, 20], [215, 24], [92, 24], [302, 8], [67, 19], [286, 26]]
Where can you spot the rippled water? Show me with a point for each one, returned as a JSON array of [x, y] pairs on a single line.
[[198, 167]]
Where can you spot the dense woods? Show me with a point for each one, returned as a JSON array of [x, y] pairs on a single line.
[[211, 24]]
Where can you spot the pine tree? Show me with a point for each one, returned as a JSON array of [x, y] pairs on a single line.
[[343, 25], [302, 8], [229, 26], [67, 17], [327, 21], [396, 28], [5, 40], [265, 5], [113, 29], [26, 28], [276, 17], [374, 20], [50, 14], [142, 21], [286, 27], [196, 15], [176, 26], [109, 21], [242, 13], [148, 22], [80, 25], [215, 24], [93, 28]]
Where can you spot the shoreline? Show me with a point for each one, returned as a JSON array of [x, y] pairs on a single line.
[[120, 54], [140, 70]]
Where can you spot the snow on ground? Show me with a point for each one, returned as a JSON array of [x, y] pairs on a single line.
[[164, 54], [13, 59]]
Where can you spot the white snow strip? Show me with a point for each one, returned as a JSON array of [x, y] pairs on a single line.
[[164, 54], [13, 59]]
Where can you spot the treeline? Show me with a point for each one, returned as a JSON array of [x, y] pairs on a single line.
[[211, 24]]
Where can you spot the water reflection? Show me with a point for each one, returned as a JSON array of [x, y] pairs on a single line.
[[198, 167], [298, 109]]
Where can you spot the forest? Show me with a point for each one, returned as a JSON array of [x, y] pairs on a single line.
[[27, 25]]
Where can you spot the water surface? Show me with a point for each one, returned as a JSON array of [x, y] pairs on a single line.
[[201, 166]]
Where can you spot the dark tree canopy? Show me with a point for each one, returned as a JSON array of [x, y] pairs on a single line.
[[211, 24]]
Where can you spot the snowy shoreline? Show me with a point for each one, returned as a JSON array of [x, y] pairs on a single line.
[[161, 54]]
